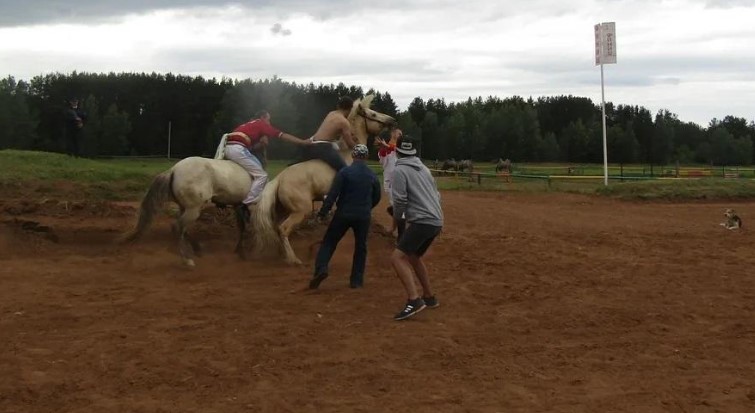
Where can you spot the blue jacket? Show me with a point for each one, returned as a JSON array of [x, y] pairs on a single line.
[[357, 190]]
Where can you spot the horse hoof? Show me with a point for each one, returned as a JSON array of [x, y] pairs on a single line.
[[189, 263], [294, 261]]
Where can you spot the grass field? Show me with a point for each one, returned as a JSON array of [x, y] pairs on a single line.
[[42, 174]]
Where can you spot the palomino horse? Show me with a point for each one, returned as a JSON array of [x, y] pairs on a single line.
[[194, 183], [296, 187]]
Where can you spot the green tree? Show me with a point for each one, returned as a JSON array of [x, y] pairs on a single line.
[[547, 149], [417, 110], [115, 130], [91, 136], [622, 144], [573, 141], [663, 137], [18, 122]]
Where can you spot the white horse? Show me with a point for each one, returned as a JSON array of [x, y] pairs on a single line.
[[193, 183], [292, 192]]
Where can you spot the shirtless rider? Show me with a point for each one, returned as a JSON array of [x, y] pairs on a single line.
[[335, 125]]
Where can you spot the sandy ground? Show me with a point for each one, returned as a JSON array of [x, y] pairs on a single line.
[[549, 303]]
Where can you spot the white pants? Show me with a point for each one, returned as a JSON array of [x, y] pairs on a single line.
[[242, 156], [388, 191]]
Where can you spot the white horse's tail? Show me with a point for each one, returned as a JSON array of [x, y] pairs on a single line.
[[266, 236], [220, 152], [158, 193]]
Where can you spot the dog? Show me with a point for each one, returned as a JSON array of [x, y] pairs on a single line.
[[733, 221]]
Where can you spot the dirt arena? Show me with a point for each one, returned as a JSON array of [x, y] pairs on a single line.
[[549, 303]]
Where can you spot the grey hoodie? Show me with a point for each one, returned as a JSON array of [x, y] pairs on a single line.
[[415, 193]]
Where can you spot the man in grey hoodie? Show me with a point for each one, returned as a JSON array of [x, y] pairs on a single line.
[[416, 195]]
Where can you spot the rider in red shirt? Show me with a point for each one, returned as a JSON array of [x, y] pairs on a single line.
[[251, 133], [247, 136]]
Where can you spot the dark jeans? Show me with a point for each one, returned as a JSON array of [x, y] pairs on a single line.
[[324, 152], [336, 230], [72, 142]]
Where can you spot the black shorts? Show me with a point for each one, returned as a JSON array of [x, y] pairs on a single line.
[[417, 239]]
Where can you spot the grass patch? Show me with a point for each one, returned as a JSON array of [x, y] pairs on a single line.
[[30, 173], [42, 174], [710, 188]]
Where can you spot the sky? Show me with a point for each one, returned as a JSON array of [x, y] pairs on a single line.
[[695, 58]]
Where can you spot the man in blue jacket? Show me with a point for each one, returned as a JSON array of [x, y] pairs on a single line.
[[355, 190]]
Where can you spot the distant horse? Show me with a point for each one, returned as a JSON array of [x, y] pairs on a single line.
[[466, 165], [291, 193], [503, 166], [449, 164]]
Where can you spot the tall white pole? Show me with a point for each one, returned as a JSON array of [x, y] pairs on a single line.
[[169, 124], [605, 144], [605, 52]]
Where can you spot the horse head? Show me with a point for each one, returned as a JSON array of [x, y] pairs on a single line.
[[366, 121]]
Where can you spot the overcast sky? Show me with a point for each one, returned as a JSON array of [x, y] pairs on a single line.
[[693, 57]]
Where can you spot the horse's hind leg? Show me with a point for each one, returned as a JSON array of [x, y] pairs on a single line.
[[185, 222], [241, 221], [194, 244], [286, 228]]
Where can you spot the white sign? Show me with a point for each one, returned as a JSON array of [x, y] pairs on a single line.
[[605, 43]]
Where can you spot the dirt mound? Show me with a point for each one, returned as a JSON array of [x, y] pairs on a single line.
[[62, 208], [20, 236]]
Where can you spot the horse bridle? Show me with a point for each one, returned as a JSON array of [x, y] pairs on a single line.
[[361, 112]]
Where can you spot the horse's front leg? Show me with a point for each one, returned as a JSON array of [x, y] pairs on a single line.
[[286, 228], [184, 223]]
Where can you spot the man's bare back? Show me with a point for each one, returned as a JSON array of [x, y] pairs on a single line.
[[334, 126]]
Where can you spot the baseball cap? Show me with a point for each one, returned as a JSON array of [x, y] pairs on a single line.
[[406, 145]]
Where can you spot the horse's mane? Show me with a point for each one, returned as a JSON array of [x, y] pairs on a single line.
[[365, 102]]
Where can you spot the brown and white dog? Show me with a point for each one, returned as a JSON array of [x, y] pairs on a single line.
[[733, 221]]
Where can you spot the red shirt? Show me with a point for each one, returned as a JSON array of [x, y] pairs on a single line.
[[255, 130], [383, 151]]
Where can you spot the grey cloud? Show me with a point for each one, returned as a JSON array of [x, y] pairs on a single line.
[[269, 61], [21, 13], [641, 71], [278, 29], [29, 12], [727, 4]]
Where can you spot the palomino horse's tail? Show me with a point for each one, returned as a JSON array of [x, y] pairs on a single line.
[[266, 235], [159, 192]]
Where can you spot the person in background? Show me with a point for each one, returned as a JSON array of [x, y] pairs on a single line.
[[74, 118]]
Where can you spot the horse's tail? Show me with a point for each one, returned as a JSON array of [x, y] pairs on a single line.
[[266, 235], [158, 193]]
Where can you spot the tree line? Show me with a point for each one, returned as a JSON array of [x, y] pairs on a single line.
[[135, 113]]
